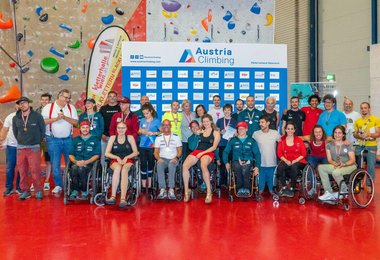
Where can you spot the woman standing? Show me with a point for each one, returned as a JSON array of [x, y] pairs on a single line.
[[200, 111], [150, 127], [95, 118], [341, 161], [208, 143], [292, 152], [121, 149], [187, 117]]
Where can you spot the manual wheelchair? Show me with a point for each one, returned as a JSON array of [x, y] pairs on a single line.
[[196, 179]]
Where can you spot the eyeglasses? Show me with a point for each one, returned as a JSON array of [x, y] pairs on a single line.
[[66, 97]]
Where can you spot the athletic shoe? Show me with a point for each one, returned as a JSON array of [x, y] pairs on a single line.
[[57, 189], [240, 192], [327, 196], [74, 194], [31, 188], [84, 195], [171, 194], [18, 191], [39, 195], [25, 195], [289, 193], [162, 194], [7, 192], [46, 186]]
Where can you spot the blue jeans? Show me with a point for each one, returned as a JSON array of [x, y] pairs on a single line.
[[57, 147], [11, 154], [266, 177], [371, 158], [315, 161]]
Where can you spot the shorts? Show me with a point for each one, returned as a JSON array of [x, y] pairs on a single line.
[[115, 161], [196, 152]]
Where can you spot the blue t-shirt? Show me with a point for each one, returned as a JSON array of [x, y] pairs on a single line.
[[153, 126], [329, 120]]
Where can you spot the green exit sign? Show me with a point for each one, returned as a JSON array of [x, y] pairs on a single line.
[[330, 77]]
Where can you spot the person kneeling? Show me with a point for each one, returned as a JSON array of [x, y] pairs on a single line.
[[85, 150], [167, 151], [245, 156]]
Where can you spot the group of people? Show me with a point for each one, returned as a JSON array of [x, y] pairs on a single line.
[[247, 142]]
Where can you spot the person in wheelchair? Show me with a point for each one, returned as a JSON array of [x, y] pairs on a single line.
[[341, 161], [208, 143], [292, 152], [167, 151], [317, 147], [245, 156], [85, 150], [121, 149]]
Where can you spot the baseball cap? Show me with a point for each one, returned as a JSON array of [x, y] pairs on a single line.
[[242, 124], [85, 122], [125, 100], [22, 99]]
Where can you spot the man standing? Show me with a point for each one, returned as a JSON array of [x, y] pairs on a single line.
[[44, 100], [107, 112], [267, 140], [239, 106], [251, 116], [312, 114], [174, 117], [271, 113], [29, 129], [11, 154], [330, 118], [216, 111], [367, 129], [126, 116], [60, 117], [351, 116], [167, 151], [294, 114], [143, 100], [83, 153]]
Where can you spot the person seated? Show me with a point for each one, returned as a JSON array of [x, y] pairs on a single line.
[[208, 143], [317, 147], [292, 152], [167, 151], [341, 161], [121, 149], [85, 150], [245, 156]]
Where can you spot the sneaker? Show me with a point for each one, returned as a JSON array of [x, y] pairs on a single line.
[[203, 186], [46, 186], [18, 191], [31, 188], [246, 192], [282, 192], [289, 193], [240, 192], [162, 194], [327, 196], [84, 195], [57, 189], [39, 195], [7, 192], [336, 194], [25, 195], [171, 194], [74, 194]]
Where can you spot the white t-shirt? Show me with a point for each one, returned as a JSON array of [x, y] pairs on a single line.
[[168, 145], [267, 145], [11, 139], [351, 118], [215, 113], [61, 128]]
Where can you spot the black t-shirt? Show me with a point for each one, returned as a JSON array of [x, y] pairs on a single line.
[[107, 112], [272, 119], [296, 117]]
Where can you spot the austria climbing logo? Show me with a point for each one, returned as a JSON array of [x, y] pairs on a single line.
[[187, 57]]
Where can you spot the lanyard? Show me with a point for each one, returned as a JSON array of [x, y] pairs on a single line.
[[225, 126], [167, 143], [25, 120], [124, 118]]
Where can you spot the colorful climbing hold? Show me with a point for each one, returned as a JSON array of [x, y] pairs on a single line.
[[55, 52], [66, 27], [30, 53], [170, 5], [13, 94], [231, 25], [227, 16], [107, 19], [91, 42], [75, 45], [12, 64], [119, 11], [49, 65], [8, 24], [256, 9], [64, 77], [84, 7], [39, 10], [44, 18]]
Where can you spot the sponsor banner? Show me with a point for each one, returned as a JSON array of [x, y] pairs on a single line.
[[105, 63]]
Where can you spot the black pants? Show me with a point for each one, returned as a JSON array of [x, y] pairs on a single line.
[[243, 175], [147, 162], [292, 171], [79, 177], [185, 150]]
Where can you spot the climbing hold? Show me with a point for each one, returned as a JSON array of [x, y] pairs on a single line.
[[66, 27], [13, 94], [75, 45], [49, 65], [54, 51], [107, 19], [119, 11], [44, 18], [64, 77]]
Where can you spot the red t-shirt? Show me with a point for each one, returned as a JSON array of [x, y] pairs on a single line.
[[318, 150], [312, 116], [291, 152]]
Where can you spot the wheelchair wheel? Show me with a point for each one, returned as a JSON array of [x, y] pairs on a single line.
[[100, 199], [308, 182], [361, 188], [66, 184], [301, 201]]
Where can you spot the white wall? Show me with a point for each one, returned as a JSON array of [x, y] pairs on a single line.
[[344, 34]]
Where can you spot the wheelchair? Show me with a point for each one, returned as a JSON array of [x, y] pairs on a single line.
[[306, 185], [93, 182], [178, 190], [134, 184], [196, 179], [360, 188], [254, 187]]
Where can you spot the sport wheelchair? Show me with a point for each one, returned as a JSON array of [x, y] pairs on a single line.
[[178, 190], [134, 184], [306, 185], [93, 181], [254, 186], [360, 188], [196, 179]]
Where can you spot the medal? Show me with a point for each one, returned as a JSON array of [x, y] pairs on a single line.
[[25, 120], [250, 122], [25, 129], [91, 128]]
